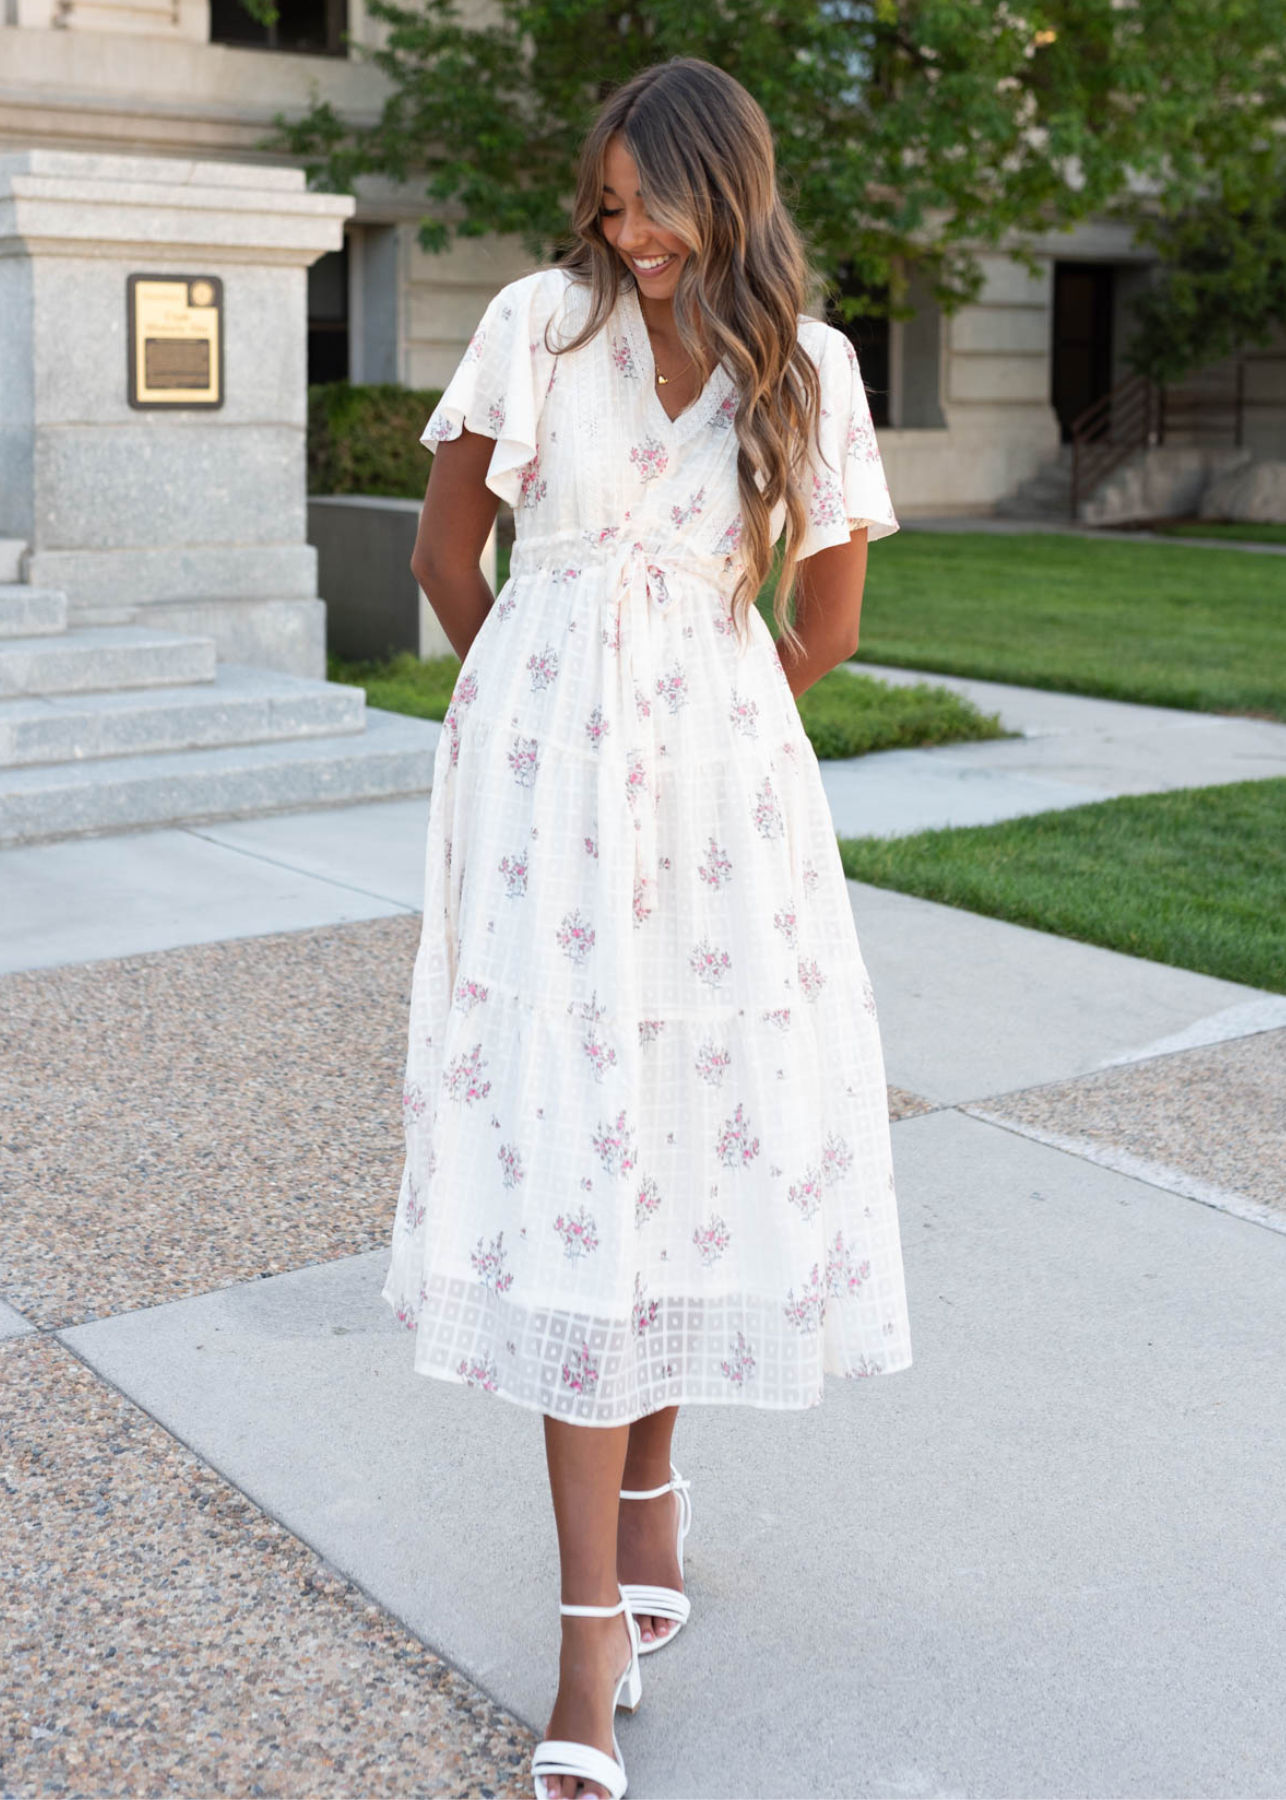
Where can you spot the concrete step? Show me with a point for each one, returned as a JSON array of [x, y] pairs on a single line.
[[31, 612], [392, 757], [242, 705], [11, 554], [99, 658]]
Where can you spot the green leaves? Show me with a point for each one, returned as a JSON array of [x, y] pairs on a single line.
[[906, 130]]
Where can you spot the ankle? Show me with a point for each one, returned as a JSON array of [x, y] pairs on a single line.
[[646, 1476]]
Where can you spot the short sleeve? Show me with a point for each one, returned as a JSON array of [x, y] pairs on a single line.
[[845, 488], [500, 383]]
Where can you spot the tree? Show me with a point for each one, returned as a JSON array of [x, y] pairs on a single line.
[[908, 131]]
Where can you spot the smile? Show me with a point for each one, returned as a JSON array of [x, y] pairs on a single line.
[[651, 265]]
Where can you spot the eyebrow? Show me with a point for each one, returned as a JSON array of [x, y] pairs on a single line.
[[638, 192]]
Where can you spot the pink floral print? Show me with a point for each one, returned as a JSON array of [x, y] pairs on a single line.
[[544, 667], [711, 1239], [524, 760], [806, 1193], [734, 1145], [580, 1371], [463, 1077], [645, 1312], [623, 359], [811, 978], [469, 994], [709, 963], [615, 1146], [647, 1198], [479, 1371], [575, 936], [684, 515], [578, 1232], [650, 458], [740, 1364], [786, 922], [767, 812], [712, 1062], [716, 870], [414, 1205], [514, 870], [673, 686], [533, 488], [744, 714], [489, 1265]]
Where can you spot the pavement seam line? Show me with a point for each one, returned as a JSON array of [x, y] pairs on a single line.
[[268, 1513], [277, 862], [1136, 1168]]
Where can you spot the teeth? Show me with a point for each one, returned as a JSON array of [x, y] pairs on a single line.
[[655, 262]]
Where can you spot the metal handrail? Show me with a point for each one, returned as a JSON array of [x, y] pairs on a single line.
[[1109, 430], [1138, 412]]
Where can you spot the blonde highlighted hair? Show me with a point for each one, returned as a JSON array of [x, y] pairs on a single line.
[[707, 173]]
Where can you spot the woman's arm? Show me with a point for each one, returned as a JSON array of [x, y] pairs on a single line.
[[828, 608], [455, 521]]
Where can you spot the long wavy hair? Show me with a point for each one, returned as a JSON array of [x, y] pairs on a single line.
[[707, 172]]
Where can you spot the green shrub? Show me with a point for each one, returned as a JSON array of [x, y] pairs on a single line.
[[366, 439]]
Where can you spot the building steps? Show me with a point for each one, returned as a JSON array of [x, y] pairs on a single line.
[[92, 658], [392, 757], [1046, 494], [108, 728], [242, 705], [29, 611]]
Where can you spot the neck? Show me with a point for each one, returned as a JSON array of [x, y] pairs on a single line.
[[658, 315]]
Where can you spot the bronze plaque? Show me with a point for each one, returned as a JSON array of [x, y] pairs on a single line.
[[175, 340]]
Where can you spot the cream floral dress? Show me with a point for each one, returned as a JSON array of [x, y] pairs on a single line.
[[647, 1140]]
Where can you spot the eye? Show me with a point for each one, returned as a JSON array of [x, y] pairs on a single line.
[[609, 212]]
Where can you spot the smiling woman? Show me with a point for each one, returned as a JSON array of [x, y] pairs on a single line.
[[648, 1155]]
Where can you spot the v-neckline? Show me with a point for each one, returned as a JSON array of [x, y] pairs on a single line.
[[699, 409]]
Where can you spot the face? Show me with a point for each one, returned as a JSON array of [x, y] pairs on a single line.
[[653, 255]]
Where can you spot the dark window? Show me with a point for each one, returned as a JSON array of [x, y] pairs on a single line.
[[306, 27], [869, 336], [328, 317]]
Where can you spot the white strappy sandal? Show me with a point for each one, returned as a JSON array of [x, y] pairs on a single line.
[[562, 1756], [662, 1602]]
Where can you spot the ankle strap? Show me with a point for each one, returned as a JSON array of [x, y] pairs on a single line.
[[594, 1612], [677, 1483]]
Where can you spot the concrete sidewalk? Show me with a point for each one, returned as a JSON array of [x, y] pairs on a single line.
[[1038, 1563], [1074, 749]]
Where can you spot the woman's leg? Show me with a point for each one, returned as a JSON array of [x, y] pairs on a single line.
[[645, 1545], [586, 1464]]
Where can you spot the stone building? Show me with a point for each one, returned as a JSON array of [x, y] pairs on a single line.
[[971, 407]]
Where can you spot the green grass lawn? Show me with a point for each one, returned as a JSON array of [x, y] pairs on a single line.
[[1243, 532], [844, 714], [1152, 622], [1195, 878]]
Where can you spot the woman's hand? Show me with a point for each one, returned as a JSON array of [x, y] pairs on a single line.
[[455, 522], [828, 610]]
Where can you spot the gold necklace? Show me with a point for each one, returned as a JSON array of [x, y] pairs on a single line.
[[665, 380]]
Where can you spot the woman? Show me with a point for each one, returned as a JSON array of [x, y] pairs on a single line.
[[647, 1135]]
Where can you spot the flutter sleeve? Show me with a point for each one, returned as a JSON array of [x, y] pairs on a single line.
[[500, 383], [846, 487]]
